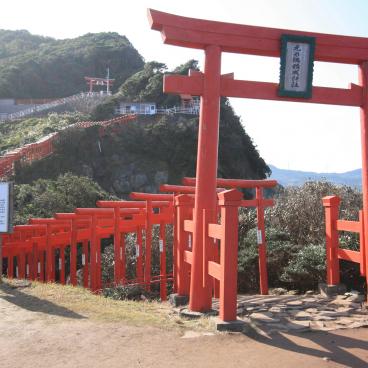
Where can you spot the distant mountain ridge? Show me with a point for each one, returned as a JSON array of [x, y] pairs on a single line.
[[295, 177], [42, 67]]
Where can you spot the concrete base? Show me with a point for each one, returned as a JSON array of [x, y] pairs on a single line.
[[331, 290], [232, 326], [177, 300]]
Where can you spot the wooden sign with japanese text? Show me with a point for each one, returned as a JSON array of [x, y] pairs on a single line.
[[296, 74]]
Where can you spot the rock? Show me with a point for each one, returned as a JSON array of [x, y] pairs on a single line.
[[298, 326], [161, 177], [326, 359], [87, 171], [302, 316], [139, 180], [316, 325], [310, 300], [311, 310], [294, 303], [357, 324], [265, 317], [122, 186], [356, 298], [331, 290], [20, 284], [355, 305], [276, 309], [292, 292], [278, 291], [323, 318], [334, 314], [344, 321], [251, 309]]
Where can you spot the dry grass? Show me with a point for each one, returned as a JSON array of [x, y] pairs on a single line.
[[82, 302]]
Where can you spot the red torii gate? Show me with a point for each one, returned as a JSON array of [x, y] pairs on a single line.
[[92, 81], [215, 38]]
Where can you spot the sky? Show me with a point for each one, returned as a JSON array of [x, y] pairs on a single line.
[[296, 136]]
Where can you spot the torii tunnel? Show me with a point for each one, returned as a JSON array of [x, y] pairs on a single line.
[[214, 38]]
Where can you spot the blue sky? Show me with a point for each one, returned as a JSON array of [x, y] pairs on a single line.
[[289, 135]]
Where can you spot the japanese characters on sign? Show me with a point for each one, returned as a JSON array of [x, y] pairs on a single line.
[[297, 56], [5, 207]]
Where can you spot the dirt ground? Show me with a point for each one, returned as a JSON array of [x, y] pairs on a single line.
[[41, 327]]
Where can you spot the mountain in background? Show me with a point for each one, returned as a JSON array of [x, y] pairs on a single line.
[[42, 67], [296, 178]]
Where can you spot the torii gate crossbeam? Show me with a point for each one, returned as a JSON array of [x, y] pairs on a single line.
[[215, 38]]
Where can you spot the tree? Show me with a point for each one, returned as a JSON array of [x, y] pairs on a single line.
[[45, 197]]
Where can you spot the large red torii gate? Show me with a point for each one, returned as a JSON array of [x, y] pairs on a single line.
[[215, 38]]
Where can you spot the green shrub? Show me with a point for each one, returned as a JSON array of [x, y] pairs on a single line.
[[124, 292], [299, 210], [45, 197], [279, 252], [306, 268]]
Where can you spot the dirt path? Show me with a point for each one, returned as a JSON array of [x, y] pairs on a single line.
[[41, 332]]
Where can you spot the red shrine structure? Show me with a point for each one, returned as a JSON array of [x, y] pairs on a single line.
[[105, 82], [297, 50], [203, 211]]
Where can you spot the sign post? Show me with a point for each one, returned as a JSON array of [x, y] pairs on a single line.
[[6, 216], [297, 60]]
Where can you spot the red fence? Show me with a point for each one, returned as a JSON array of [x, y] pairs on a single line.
[[45, 146], [47, 249], [333, 251]]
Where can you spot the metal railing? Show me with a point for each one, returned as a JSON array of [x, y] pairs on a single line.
[[53, 104]]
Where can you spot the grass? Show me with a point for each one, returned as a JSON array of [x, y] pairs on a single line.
[[14, 134], [99, 308]]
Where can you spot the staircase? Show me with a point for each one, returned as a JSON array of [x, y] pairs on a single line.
[[87, 97]]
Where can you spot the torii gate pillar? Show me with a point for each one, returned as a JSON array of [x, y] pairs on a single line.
[[206, 175]]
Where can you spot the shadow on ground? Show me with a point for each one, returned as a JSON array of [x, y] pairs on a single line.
[[328, 345], [17, 297]]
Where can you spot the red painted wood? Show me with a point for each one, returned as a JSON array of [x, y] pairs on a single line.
[[262, 248], [349, 255], [151, 196], [237, 183], [184, 212], [344, 225], [163, 273], [363, 81], [198, 33], [331, 204], [206, 173]]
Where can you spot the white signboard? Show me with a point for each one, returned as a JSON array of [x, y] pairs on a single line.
[[296, 66], [259, 237], [297, 58], [5, 208]]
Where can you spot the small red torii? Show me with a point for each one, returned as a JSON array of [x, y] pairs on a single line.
[[92, 81]]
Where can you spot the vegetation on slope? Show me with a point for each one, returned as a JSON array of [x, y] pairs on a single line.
[[143, 154], [44, 197], [145, 86], [39, 67], [17, 134], [295, 233]]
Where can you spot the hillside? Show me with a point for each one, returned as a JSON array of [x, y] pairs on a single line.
[[138, 156], [143, 154], [295, 177], [42, 67], [13, 135]]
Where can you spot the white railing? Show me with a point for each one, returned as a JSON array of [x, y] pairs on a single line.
[[163, 111], [50, 105]]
